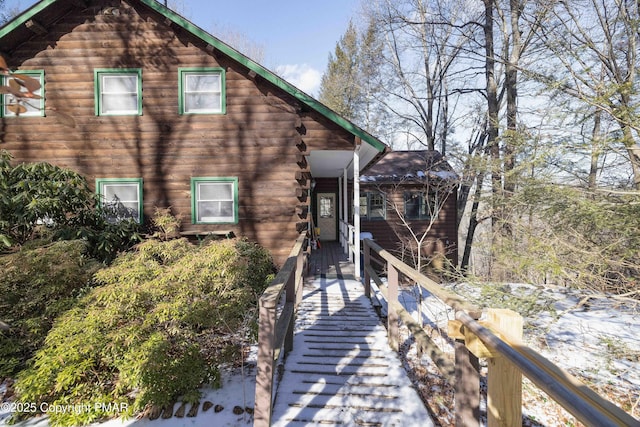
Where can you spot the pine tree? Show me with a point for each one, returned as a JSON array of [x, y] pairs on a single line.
[[351, 85], [339, 89]]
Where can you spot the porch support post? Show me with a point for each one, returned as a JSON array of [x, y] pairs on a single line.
[[341, 218], [345, 212], [356, 210]]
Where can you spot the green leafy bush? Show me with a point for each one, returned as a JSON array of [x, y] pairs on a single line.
[[166, 317], [40, 199], [37, 193], [37, 285]]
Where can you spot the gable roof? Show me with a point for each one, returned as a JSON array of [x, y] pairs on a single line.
[[49, 11], [410, 166]]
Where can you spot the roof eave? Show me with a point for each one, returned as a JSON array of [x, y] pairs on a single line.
[[267, 75], [25, 16], [231, 52]]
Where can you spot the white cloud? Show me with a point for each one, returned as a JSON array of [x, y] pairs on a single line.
[[303, 76]]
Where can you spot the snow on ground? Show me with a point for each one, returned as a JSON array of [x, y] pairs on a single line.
[[236, 394], [597, 340]]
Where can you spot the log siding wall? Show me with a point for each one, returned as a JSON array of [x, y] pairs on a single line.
[[259, 140], [390, 233]]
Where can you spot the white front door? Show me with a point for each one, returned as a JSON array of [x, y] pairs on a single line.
[[327, 219]]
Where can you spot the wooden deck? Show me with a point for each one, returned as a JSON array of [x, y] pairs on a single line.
[[341, 370], [330, 261]]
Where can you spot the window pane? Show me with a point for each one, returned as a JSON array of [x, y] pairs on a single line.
[[215, 201], [412, 205], [119, 93], [112, 103], [377, 205], [202, 92], [363, 206], [326, 207], [119, 83], [431, 205], [202, 102], [215, 211], [215, 191], [202, 82], [33, 106], [121, 200], [122, 192], [116, 211]]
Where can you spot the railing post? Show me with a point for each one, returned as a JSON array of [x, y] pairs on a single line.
[[290, 299], [392, 316], [351, 242], [467, 386], [367, 263], [504, 379], [264, 374], [299, 278]]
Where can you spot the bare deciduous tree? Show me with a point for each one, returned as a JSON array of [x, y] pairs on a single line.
[[594, 46], [423, 40]]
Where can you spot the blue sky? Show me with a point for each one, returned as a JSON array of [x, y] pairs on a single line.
[[295, 36]]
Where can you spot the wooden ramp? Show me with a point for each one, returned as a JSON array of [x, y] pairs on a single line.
[[341, 370]]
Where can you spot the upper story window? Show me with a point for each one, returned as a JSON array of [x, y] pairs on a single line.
[[118, 92], [32, 104], [420, 205], [121, 198], [202, 91], [214, 200], [373, 206]]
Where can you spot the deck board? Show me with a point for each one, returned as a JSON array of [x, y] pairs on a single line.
[[341, 370]]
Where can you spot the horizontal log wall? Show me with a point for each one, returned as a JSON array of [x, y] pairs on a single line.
[[259, 139]]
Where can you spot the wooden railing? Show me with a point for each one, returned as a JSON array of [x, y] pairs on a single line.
[[348, 239], [498, 339], [275, 330]]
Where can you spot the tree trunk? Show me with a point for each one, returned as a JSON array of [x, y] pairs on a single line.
[[595, 149], [473, 224], [511, 85], [634, 155], [492, 109]]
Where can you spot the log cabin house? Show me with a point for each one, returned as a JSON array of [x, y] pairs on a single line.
[[411, 192], [166, 115]]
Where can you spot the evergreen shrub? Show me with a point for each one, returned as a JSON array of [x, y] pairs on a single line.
[[165, 319], [38, 284]]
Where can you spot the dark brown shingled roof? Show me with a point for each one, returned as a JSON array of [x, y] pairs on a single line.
[[409, 166]]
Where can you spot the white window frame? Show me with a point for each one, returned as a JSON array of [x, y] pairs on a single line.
[[184, 92], [103, 183], [35, 107], [100, 82], [197, 200]]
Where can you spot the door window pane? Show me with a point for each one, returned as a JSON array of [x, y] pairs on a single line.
[[326, 207]]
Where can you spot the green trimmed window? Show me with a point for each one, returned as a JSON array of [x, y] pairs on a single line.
[[118, 92], [121, 198], [214, 200], [373, 206], [420, 205], [13, 106], [202, 91]]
